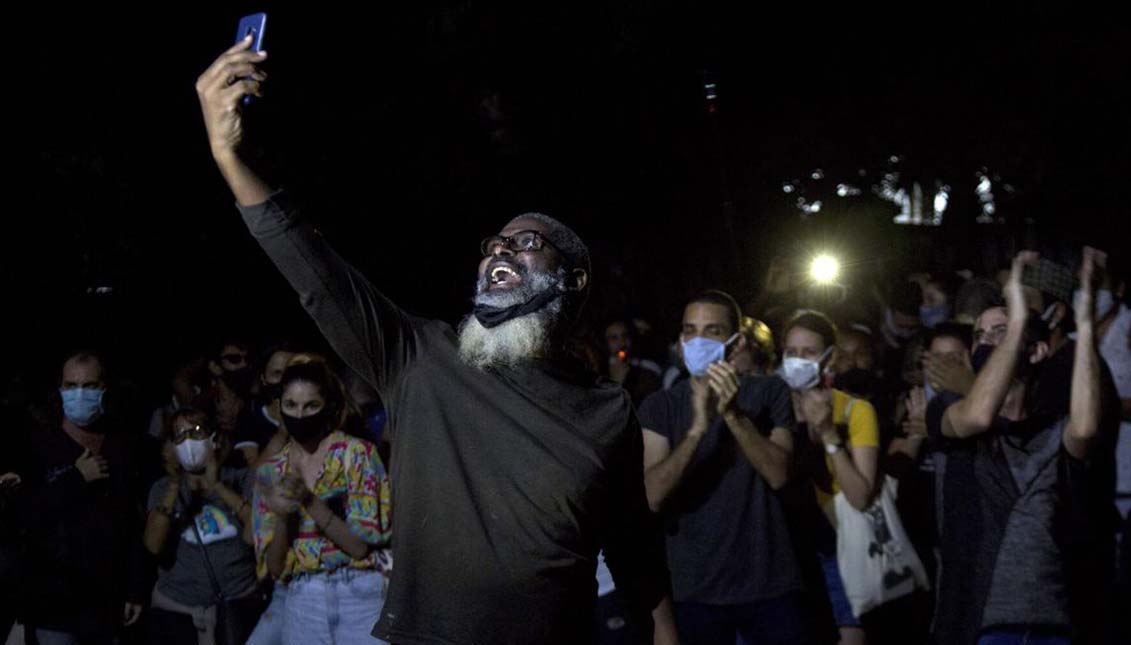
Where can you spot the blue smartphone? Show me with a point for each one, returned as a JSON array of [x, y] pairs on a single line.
[[254, 24]]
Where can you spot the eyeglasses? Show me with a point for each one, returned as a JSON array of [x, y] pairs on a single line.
[[520, 241], [195, 432]]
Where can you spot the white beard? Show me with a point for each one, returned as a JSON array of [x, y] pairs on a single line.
[[518, 339]]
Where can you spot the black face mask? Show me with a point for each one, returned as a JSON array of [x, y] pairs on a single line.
[[981, 356], [856, 381], [306, 429], [239, 381], [489, 316]]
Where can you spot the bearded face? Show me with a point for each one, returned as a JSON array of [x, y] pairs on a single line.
[[520, 338]]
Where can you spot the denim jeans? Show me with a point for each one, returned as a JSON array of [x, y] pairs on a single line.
[[779, 621], [52, 637], [269, 629], [337, 608], [1022, 637]]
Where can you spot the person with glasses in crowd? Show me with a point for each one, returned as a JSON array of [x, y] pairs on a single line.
[[195, 527], [515, 465]]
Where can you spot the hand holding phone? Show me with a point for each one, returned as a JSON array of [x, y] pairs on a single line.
[[221, 88], [252, 25]]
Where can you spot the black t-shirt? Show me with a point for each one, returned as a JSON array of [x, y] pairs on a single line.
[[254, 428], [727, 537], [506, 482]]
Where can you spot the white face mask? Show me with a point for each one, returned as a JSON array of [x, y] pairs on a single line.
[[802, 373], [193, 453]]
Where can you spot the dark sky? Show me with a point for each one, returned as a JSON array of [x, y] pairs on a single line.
[[411, 133]]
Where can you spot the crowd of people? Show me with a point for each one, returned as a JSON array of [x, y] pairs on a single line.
[[944, 461]]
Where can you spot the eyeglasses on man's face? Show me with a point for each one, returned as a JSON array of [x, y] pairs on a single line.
[[517, 243]]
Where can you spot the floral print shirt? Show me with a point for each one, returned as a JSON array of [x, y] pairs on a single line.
[[353, 483]]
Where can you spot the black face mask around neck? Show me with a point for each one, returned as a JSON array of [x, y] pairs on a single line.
[[490, 316]]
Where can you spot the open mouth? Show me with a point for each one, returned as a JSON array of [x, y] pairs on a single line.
[[502, 276]]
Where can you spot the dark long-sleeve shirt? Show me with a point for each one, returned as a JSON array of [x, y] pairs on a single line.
[[506, 482], [86, 558]]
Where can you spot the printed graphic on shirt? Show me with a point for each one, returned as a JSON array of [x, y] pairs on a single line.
[[214, 525]]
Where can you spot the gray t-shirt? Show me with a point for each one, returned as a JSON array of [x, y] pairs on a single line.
[[182, 574], [727, 540]]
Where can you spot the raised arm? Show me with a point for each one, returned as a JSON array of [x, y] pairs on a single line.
[[976, 413], [1084, 407], [372, 335], [221, 92]]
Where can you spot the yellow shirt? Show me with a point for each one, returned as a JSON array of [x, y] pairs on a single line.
[[863, 431]]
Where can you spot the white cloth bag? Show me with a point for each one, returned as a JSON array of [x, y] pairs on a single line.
[[876, 560]]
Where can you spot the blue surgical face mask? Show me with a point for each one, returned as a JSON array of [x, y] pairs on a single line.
[[193, 453], [699, 352], [82, 405], [801, 373], [931, 316]]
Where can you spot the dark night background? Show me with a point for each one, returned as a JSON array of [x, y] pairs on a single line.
[[412, 131]]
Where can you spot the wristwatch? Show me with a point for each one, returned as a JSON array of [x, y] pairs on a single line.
[[833, 448]]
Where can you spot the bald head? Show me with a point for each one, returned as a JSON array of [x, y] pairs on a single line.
[[575, 252]]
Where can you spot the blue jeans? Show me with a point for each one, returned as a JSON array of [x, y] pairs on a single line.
[[269, 629], [838, 597], [337, 608], [52, 637], [1023, 637], [778, 621]]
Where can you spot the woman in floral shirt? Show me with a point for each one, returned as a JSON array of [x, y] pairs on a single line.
[[321, 515]]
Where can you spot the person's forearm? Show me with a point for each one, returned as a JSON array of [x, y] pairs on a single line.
[[157, 526], [768, 458], [276, 555], [159, 521], [336, 529], [663, 624], [661, 479], [856, 487], [976, 413], [1084, 406], [247, 186], [903, 454], [234, 501]]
